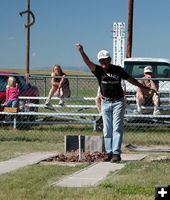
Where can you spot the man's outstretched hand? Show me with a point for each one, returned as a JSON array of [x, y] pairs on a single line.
[[79, 47]]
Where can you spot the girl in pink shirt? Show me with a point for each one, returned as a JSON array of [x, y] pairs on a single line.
[[12, 93]]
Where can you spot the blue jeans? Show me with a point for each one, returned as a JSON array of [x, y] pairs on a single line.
[[113, 117], [12, 103]]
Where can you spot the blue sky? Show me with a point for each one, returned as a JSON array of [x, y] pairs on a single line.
[[62, 23]]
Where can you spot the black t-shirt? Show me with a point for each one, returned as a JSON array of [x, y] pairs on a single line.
[[110, 80]]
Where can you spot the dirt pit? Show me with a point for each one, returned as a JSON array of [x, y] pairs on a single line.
[[74, 157]]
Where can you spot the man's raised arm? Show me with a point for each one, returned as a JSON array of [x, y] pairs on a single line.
[[86, 59]]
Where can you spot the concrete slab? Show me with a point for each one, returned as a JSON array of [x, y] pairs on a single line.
[[159, 148], [94, 174], [24, 160], [90, 176], [133, 157]]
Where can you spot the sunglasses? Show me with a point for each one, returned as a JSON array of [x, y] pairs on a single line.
[[149, 73]]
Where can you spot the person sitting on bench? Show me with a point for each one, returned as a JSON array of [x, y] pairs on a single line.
[[148, 97], [12, 93], [59, 86]]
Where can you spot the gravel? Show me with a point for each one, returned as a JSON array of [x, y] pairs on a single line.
[[74, 157]]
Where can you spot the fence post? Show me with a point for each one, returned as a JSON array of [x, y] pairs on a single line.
[[77, 86], [45, 86]]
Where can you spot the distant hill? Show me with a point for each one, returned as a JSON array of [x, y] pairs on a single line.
[[74, 68], [83, 70], [77, 68]]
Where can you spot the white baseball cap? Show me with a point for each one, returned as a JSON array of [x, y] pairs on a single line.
[[148, 69], [103, 54]]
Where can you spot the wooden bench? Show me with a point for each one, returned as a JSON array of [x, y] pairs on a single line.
[[10, 110]]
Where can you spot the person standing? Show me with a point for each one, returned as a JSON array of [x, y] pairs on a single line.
[[113, 103], [59, 86], [99, 121]]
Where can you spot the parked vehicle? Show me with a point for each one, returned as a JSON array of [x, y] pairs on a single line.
[[24, 88], [161, 71]]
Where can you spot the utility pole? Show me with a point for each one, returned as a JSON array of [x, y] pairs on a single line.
[[130, 28], [27, 26]]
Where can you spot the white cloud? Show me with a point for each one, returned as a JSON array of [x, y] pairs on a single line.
[[33, 54], [11, 38]]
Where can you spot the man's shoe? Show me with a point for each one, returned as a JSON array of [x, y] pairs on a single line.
[[107, 157], [115, 158]]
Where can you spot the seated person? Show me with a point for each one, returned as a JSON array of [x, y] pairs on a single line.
[[12, 93], [142, 98], [59, 86]]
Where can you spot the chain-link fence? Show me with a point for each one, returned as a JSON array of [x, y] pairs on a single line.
[[80, 109]]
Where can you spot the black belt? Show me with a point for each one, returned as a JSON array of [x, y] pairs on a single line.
[[110, 99]]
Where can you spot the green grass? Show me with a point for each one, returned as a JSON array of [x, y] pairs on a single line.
[[135, 181], [32, 182], [138, 178], [41, 138], [44, 71], [11, 149], [51, 138], [149, 136]]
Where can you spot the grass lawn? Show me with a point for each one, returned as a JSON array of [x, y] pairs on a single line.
[[135, 181], [51, 138], [42, 138]]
